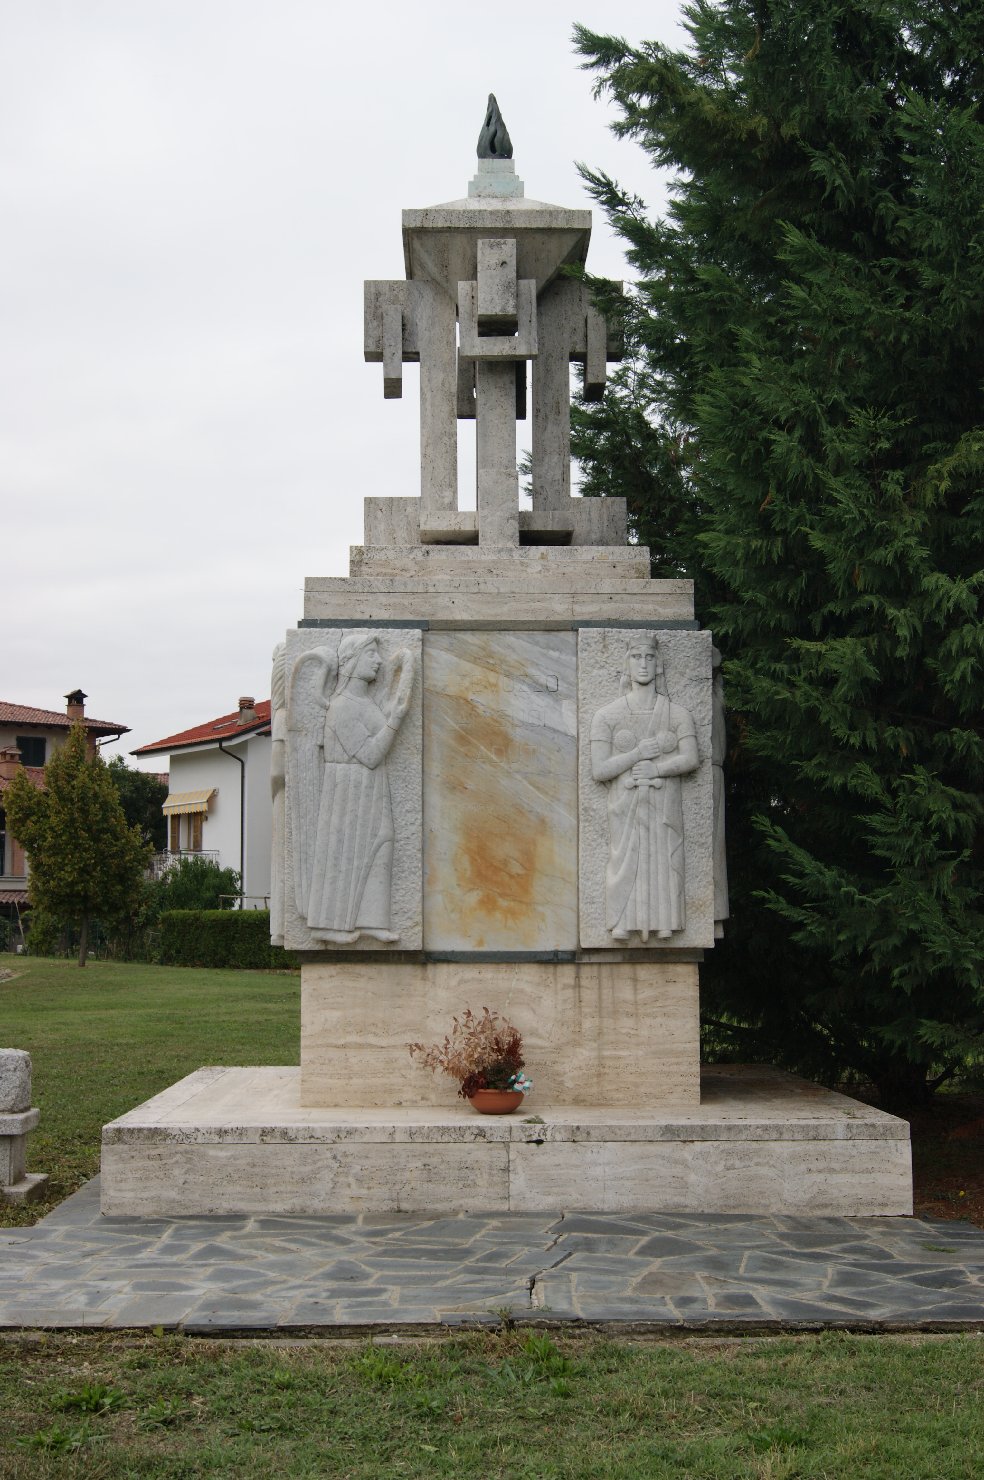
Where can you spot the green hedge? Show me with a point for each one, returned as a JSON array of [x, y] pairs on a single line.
[[239, 938]]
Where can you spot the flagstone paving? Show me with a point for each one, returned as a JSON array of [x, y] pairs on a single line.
[[240, 1274]]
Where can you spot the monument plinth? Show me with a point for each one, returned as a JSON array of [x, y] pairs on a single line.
[[497, 781]]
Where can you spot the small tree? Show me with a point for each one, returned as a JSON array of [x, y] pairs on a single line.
[[85, 860], [197, 884], [142, 796]]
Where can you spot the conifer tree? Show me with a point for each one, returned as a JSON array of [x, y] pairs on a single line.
[[85, 861], [800, 427]]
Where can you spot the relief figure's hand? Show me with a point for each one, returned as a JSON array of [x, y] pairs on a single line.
[[644, 771], [649, 749]]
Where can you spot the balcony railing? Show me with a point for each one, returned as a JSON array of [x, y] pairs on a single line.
[[162, 863]]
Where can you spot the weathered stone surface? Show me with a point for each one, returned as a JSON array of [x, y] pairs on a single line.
[[13, 1159], [829, 1177], [237, 1140], [337, 850], [15, 1079], [613, 1035], [686, 658], [500, 792], [484, 608]]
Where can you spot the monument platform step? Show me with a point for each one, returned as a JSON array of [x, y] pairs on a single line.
[[238, 1141]]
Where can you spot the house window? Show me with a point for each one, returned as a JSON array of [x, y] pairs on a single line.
[[3, 842], [31, 748], [189, 824]]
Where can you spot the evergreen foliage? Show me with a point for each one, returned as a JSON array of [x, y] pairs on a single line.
[[85, 860], [220, 938], [800, 428], [196, 883], [142, 796]]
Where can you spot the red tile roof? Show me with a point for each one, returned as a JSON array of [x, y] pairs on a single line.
[[26, 714], [225, 727], [34, 774]]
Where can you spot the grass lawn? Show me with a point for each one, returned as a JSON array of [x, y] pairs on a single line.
[[522, 1406], [106, 1037]]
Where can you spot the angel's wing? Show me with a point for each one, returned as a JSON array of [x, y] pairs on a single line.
[[311, 678]]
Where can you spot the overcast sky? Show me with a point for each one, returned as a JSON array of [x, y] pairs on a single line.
[[191, 193]]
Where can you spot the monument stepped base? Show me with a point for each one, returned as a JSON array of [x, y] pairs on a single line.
[[228, 1141]]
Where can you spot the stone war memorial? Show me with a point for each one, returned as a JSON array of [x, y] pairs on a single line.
[[497, 782]]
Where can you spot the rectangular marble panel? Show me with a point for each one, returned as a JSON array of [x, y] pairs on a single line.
[[355, 828], [848, 1179], [686, 660], [218, 1177], [618, 1034], [500, 791]]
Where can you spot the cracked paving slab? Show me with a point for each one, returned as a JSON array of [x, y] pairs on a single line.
[[76, 1269]]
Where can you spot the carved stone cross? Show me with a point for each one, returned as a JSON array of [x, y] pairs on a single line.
[[484, 298]]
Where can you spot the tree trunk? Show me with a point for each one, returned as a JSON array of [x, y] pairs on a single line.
[[84, 940]]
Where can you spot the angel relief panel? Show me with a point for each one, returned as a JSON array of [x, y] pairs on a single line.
[[353, 815]]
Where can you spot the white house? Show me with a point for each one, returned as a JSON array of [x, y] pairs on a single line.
[[219, 802]]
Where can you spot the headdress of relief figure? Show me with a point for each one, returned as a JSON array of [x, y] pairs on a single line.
[[641, 744], [344, 712]]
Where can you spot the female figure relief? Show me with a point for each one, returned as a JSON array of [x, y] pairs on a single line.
[[344, 860], [641, 744]]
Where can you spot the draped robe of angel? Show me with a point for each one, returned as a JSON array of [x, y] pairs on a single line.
[[344, 863], [644, 878]]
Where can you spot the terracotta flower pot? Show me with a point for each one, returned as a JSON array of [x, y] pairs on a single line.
[[496, 1101]]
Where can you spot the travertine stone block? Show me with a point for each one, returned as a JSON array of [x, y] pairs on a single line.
[[497, 285], [484, 608], [624, 1034], [392, 521], [211, 1179], [15, 1080], [500, 791], [355, 829], [579, 565], [13, 1159], [818, 1178], [646, 852], [238, 1140], [476, 345]]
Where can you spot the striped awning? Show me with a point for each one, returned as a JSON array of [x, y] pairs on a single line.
[[179, 802]]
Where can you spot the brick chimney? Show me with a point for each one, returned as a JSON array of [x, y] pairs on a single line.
[[247, 711], [76, 704], [9, 762]]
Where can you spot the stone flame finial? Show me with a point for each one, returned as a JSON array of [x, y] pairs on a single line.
[[494, 141]]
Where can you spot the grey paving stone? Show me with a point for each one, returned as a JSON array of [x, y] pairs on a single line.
[[736, 1302], [427, 1253], [51, 1317], [953, 1310], [623, 1308], [600, 1224], [728, 1265], [774, 1268], [601, 1243], [159, 1287], [662, 1245], [212, 1320], [154, 1310], [662, 1282], [948, 1279]]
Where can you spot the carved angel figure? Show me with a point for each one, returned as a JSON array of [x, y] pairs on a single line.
[[641, 744], [340, 734]]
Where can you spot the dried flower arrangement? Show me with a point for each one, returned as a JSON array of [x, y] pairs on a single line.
[[480, 1052]]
